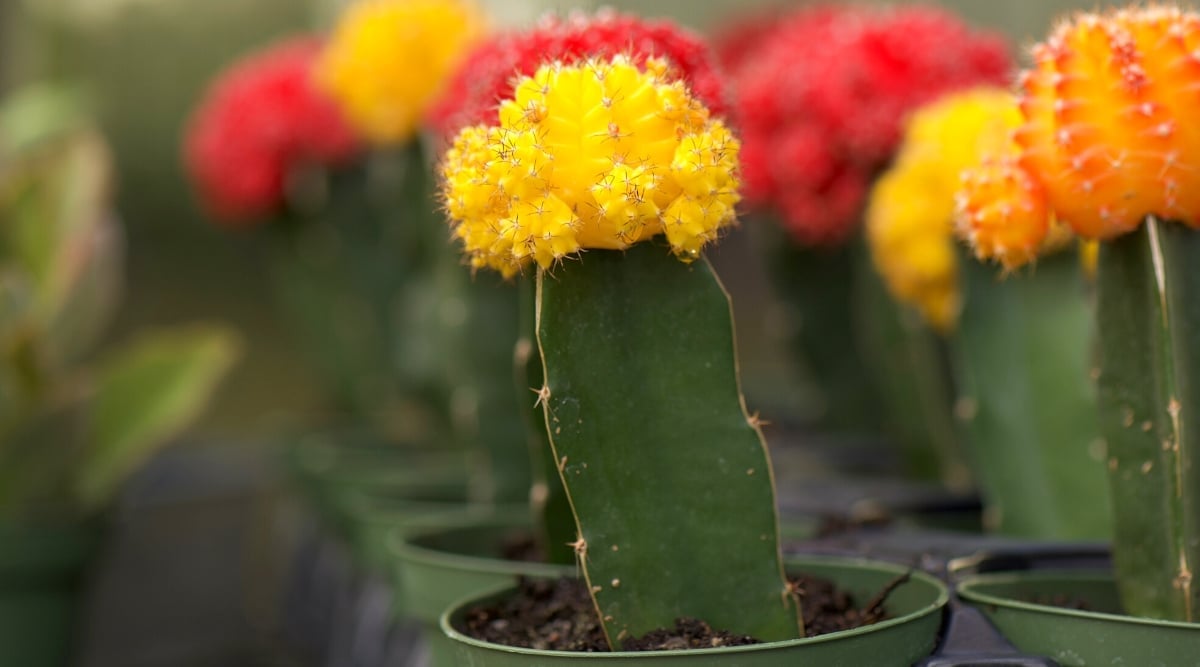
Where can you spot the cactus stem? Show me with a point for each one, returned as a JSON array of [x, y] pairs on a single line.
[[639, 346], [1149, 311]]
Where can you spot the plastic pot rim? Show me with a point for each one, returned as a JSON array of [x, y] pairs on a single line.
[[965, 589], [404, 548]]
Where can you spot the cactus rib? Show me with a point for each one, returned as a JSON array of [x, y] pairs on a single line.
[[1149, 314], [552, 518]]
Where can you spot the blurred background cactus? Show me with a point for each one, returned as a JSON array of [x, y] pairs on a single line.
[[143, 65], [74, 425], [1022, 393], [821, 95]]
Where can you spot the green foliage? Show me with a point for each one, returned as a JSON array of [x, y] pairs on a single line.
[[70, 435], [667, 475], [145, 394], [1149, 328], [1024, 352]]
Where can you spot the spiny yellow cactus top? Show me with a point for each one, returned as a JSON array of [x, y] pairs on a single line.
[[1108, 134], [910, 215], [599, 154], [388, 59]]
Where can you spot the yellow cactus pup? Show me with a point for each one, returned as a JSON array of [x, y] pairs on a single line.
[[599, 154], [388, 59]]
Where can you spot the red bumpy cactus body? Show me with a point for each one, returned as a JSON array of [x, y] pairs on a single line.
[[822, 95], [258, 121], [1107, 137], [473, 95]]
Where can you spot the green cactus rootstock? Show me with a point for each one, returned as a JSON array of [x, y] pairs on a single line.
[[816, 285], [667, 474], [1149, 391], [1023, 353], [911, 367], [486, 412], [354, 270]]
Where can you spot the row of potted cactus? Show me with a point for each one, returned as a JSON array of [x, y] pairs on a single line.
[[587, 161]]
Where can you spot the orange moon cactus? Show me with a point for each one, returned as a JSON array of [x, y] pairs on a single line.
[[1107, 136]]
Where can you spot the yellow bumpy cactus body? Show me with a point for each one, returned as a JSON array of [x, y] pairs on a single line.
[[1107, 137], [599, 154], [910, 217], [388, 59]]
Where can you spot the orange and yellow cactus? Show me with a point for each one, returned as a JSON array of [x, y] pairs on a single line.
[[600, 154], [1109, 146], [387, 60], [1106, 137]]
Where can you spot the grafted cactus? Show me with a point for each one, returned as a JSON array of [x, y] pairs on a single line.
[[318, 142], [666, 474], [488, 74], [1109, 146], [821, 96]]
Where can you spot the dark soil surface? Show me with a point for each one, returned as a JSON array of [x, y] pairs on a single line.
[[558, 615], [544, 614], [827, 608], [521, 547]]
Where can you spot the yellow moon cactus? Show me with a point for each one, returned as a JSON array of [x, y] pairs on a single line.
[[910, 216], [599, 154], [1107, 135], [388, 59]]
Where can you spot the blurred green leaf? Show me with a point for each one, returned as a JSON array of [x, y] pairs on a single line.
[[40, 112], [55, 219], [145, 395]]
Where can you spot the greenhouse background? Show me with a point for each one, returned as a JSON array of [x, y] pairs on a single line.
[[191, 576]]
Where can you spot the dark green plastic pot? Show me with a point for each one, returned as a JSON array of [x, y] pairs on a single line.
[[370, 517], [1100, 636], [434, 568], [42, 568], [911, 634], [334, 469], [438, 566]]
